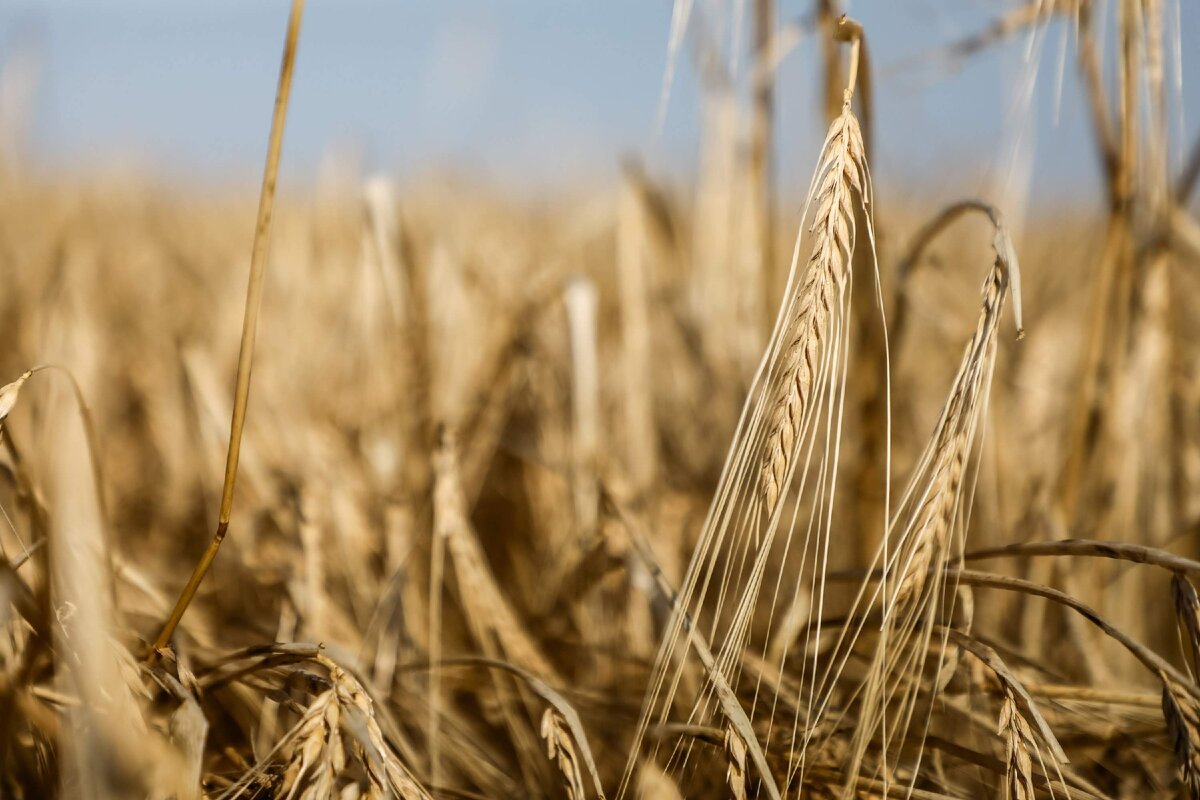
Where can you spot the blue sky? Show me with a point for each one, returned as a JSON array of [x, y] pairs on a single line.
[[528, 91]]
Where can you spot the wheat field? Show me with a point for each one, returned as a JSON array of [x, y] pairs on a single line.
[[641, 491]]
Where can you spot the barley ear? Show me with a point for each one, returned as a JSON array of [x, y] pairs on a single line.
[[816, 306], [561, 750], [735, 752]]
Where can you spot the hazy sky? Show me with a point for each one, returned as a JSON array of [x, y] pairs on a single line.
[[534, 91]]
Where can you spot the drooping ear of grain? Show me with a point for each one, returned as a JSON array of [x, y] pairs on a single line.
[[1182, 714], [933, 501], [1187, 617], [928, 527], [337, 748]]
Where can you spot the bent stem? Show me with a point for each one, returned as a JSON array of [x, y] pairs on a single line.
[[851, 31], [258, 262]]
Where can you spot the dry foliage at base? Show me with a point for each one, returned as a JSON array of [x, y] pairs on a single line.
[[523, 513]]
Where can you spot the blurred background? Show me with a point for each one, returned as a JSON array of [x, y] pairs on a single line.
[[525, 262], [532, 93]]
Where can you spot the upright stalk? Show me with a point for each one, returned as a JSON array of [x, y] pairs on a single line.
[[761, 166], [258, 264]]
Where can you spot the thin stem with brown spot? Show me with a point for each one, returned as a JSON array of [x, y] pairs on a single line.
[[258, 263]]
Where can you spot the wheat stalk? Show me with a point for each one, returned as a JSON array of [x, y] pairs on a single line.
[[734, 714], [258, 267], [488, 612], [1092, 548], [493, 623], [633, 284]]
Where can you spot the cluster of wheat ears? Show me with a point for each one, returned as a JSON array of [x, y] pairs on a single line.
[[485, 536]]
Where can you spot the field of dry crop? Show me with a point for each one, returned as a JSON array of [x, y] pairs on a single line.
[[594, 496]]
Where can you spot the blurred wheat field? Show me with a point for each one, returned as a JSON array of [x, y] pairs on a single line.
[[591, 496]]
